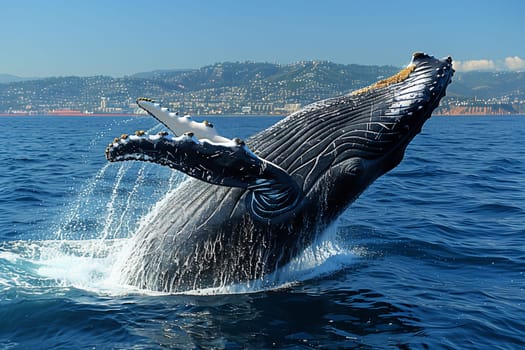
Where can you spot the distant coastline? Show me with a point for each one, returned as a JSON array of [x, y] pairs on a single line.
[[491, 115], [247, 88], [69, 114], [87, 115]]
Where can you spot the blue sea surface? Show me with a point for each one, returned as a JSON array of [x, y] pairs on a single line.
[[431, 256]]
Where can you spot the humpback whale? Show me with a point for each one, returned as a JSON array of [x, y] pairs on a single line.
[[250, 206]]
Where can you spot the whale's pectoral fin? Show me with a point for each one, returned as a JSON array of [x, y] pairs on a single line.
[[230, 163]]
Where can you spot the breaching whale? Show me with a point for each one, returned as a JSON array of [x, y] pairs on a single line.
[[251, 206]]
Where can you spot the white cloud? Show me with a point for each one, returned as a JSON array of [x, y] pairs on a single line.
[[515, 63], [467, 66]]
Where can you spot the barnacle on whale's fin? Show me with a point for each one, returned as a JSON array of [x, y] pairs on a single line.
[[212, 158]]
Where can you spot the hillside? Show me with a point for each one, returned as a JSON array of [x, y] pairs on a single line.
[[487, 85], [232, 87], [8, 78]]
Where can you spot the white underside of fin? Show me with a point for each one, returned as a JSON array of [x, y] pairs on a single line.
[[181, 125]]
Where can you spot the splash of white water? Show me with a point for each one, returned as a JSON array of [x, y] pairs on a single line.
[[90, 235]]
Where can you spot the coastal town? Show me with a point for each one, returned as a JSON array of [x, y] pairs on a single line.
[[245, 88]]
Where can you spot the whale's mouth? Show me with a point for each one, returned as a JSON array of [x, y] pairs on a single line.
[[425, 87], [418, 90], [415, 92]]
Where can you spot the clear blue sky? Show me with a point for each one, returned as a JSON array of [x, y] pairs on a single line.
[[119, 37]]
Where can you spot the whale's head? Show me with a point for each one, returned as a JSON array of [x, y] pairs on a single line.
[[345, 143], [376, 142]]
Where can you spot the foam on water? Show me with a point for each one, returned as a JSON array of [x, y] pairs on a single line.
[[62, 264], [95, 265]]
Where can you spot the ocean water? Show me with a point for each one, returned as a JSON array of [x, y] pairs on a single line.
[[431, 256]]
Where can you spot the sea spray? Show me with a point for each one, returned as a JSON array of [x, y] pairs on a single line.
[[71, 219], [127, 257], [93, 231]]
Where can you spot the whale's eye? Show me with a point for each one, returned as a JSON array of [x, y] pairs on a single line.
[[354, 167]]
